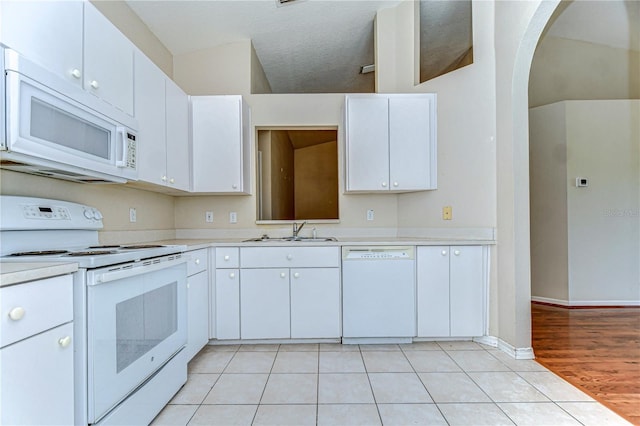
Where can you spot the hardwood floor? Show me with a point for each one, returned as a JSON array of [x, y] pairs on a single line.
[[597, 350]]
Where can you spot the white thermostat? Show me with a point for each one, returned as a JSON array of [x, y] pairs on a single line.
[[580, 182]]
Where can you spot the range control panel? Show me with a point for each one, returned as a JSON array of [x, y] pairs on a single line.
[[29, 213], [46, 212], [377, 253]]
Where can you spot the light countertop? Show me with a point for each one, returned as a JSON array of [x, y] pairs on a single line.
[[195, 244], [18, 272]]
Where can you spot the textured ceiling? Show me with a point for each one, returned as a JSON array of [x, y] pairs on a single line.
[[318, 46], [307, 46]]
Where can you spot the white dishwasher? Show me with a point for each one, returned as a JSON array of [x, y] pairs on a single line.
[[378, 294]]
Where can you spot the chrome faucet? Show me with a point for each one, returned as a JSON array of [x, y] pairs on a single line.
[[296, 228]]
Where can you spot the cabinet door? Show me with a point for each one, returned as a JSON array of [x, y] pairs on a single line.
[[150, 113], [177, 119], [217, 144], [36, 376], [197, 313], [315, 303], [410, 148], [433, 291], [367, 141], [264, 304], [467, 291], [227, 304], [108, 61], [46, 32]]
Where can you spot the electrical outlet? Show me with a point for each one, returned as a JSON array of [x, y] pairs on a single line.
[[447, 213], [233, 217], [370, 214], [132, 215], [208, 217]]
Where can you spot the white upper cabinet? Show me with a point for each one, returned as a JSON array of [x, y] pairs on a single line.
[[177, 116], [108, 61], [150, 112], [390, 143], [162, 111], [75, 41], [47, 32], [220, 140]]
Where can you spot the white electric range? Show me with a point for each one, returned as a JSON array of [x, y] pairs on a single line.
[[130, 319]]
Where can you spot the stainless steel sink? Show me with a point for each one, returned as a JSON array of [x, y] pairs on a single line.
[[266, 239], [310, 239]]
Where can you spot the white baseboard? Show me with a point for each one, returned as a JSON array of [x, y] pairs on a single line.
[[571, 303], [515, 353]]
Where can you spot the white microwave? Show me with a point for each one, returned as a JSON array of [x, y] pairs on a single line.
[[55, 129]]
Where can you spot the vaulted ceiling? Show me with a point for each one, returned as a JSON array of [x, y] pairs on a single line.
[[319, 46]]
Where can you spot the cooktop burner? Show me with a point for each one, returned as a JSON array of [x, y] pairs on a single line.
[[91, 253], [105, 246], [39, 253], [141, 246]]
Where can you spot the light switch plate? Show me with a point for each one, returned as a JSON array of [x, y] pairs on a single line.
[[233, 217], [132, 215], [208, 217]]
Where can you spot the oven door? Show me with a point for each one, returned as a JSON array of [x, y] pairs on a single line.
[[136, 322]]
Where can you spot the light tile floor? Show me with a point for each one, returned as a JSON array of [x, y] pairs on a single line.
[[427, 383]]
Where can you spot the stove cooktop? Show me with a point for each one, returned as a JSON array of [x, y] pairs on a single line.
[[96, 255]]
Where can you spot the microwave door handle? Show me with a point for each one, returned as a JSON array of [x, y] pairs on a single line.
[[121, 140]]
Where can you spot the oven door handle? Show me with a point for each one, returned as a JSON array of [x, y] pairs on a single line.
[[128, 273]]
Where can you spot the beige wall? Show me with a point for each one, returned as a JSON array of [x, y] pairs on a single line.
[[259, 82], [584, 240], [316, 181], [465, 121], [570, 70], [548, 172], [221, 70], [155, 212], [282, 176], [121, 15]]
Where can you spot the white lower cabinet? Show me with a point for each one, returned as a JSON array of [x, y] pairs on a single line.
[[227, 304], [36, 355], [197, 302], [277, 293], [264, 303], [225, 320], [451, 291], [315, 303]]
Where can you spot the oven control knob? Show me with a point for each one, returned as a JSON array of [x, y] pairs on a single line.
[[88, 214], [16, 314], [97, 215]]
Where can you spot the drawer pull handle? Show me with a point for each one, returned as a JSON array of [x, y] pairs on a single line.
[[64, 341], [443, 252], [226, 257], [296, 275], [94, 84], [282, 275], [456, 252], [232, 275], [197, 261], [76, 73], [16, 314], [289, 257]]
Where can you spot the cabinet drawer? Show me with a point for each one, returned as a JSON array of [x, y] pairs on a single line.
[[289, 257], [198, 261], [36, 306], [227, 257]]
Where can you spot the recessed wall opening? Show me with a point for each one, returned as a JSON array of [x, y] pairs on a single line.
[[297, 174], [446, 37]]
